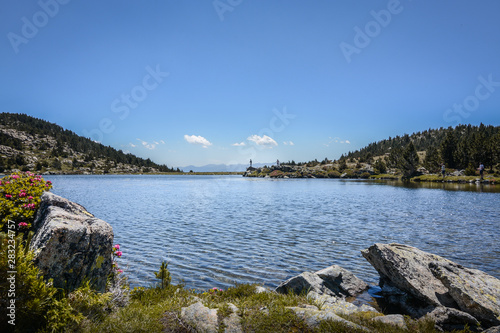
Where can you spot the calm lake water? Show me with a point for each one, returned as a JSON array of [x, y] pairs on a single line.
[[216, 231]]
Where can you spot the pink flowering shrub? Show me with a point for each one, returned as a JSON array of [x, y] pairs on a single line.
[[20, 198], [116, 254]]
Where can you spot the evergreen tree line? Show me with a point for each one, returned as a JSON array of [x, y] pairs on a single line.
[[462, 147], [91, 149]]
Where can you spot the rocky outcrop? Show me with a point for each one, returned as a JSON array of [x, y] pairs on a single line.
[[199, 316], [339, 306], [313, 316], [475, 292], [71, 245], [393, 319], [206, 320], [333, 281], [423, 283]]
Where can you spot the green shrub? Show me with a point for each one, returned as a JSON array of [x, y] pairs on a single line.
[[163, 275], [37, 303], [365, 175], [90, 303], [350, 174], [20, 195], [470, 170], [333, 174], [380, 167]]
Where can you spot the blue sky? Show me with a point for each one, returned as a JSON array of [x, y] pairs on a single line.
[[200, 82]]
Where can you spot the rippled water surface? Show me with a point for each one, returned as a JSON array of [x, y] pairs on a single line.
[[216, 231]]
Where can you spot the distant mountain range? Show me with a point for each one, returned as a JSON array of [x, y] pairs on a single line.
[[222, 167]]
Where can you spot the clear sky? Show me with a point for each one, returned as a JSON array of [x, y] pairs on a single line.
[[199, 82]]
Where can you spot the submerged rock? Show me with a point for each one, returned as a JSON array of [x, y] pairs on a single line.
[[70, 244]]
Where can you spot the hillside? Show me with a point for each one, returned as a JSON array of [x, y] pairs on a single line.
[[461, 149], [28, 143], [458, 147]]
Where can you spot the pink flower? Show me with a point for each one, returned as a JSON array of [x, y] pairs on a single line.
[[120, 270], [23, 224], [117, 246], [8, 196], [30, 198], [118, 253]]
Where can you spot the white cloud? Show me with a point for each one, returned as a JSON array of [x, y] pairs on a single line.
[[288, 143], [147, 145], [262, 140], [197, 140], [238, 144], [132, 145], [162, 142], [336, 140]]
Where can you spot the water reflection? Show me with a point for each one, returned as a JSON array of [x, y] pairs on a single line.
[[447, 186]]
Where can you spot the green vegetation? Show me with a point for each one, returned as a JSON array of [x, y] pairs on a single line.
[[20, 198], [163, 275], [38, 145], [410, 157], [37, 303], [457, 147], [42, 308]]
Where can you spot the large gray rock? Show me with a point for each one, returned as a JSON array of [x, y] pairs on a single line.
[[304, 283], [452, 319], [341, 281], [70, 244], [436, 282], [474, 291], [333, 281], [407, 268]]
